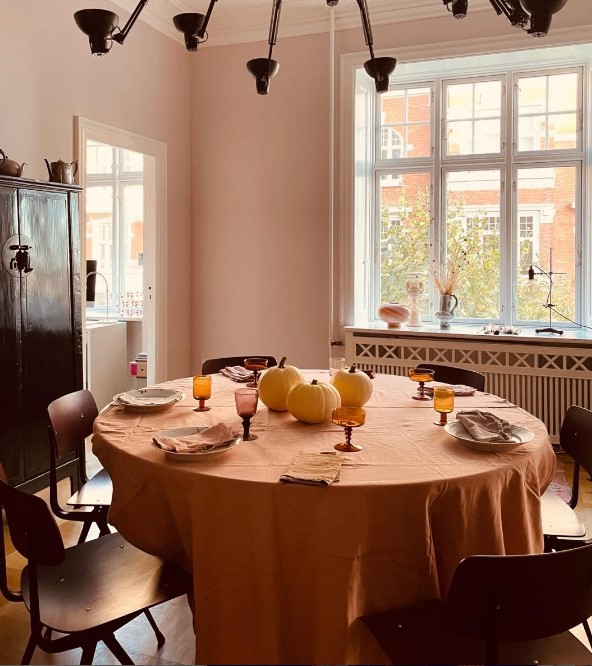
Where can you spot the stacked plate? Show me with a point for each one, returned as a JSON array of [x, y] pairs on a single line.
[[206, 454], [148, 400], [519, 436]]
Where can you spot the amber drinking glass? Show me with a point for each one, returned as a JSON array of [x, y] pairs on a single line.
[[421, 375], [202, 391], [348, 418], [256, 364], [246, 407], [443, 403]]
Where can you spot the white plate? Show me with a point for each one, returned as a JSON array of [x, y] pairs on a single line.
[[457, 430], [184, 432], [146, 395]]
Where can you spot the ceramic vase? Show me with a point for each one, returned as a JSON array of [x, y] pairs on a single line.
[[448, 304], [414, 286], [394, 314]]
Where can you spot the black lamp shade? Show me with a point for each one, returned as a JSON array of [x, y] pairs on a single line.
[[98, 24], [260, 68], [541, 13], [189, 24], [380, 69], [460, 8]]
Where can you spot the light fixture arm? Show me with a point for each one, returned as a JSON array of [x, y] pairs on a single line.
[[122, 34], [202, 31], [366, 26], [273, 31]]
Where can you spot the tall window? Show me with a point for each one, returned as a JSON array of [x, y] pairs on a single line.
[[115, 228], [493, 163]]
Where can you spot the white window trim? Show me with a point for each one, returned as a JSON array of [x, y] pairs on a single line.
[[353, 308]]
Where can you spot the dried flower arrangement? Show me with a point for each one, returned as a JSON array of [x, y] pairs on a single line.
[[446, 276]]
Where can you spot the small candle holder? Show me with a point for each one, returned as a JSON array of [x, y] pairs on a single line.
[[202, 391]]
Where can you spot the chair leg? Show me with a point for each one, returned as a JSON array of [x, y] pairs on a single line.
[[84, 533], [115, 646], [588, 632], [88, 653], [28, 653], [103, 528], [159, 635]]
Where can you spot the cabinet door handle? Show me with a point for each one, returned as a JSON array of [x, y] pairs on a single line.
[[22, 259]]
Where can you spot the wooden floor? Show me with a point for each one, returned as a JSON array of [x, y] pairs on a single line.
[[173, 618]]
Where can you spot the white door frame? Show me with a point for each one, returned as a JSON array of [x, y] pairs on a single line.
[[154, 330]]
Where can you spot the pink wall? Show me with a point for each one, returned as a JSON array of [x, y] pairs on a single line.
[[48, 76], [260, 178]]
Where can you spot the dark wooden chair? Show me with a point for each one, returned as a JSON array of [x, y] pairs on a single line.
[[71, 420], [212, 365], [453, 375], [85, 593], [509, 609], [561, 525]]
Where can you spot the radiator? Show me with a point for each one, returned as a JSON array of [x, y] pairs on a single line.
[[543, 378]]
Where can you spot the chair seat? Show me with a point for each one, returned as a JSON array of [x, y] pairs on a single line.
[[422, 635], [102, 581], [558, 518], [97, 491]]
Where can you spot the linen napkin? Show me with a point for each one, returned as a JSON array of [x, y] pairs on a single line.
[[459, 389], [237, 373], [211, 438], [319, 469], [128, 399], [485, 426]]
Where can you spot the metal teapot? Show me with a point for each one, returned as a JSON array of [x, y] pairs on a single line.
[[10, 167], [62, 172]]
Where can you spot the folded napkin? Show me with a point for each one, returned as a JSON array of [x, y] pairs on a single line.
[[485, 426], [237, 373], [320, 469], [459, 389], [211, 438], [128, 399]]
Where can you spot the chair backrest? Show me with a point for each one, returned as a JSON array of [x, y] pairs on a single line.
[[575, 439], [33, 529], [212, 365], [72, 417], [499, 598], [454, 375]]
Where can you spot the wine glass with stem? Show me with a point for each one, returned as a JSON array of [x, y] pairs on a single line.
[[256, 364], [202, 391], [246, 407], [421, 375], [348, 418], [443, 403]]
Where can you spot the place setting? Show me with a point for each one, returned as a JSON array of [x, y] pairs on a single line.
[[481, 430], [148, 399]]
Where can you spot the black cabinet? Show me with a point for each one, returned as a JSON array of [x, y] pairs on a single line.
[[40, 320]]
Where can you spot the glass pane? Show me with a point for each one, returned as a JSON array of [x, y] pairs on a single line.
[[532, 133], [99, 158], [460, 138], [563, 92], [546, 234], [99, 238], [487, 136], [532, 94], [408, 113], [488, 98], [419, 105], [391, 142], [131, 299], [562, 131], [132, 161], [404, 234], [459, 104], [473, 243]]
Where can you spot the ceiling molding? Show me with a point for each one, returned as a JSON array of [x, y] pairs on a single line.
[[241, 21]]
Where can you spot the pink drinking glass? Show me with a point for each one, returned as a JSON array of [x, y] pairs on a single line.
[[246, 407]]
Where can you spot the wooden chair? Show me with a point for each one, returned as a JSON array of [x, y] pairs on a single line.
[[453, 375], [212, 365], [510, 609], [86, 592], [561, 525], [71, 420]]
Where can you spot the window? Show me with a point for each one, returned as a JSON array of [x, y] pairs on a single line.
[[485, 153], [115, 228]]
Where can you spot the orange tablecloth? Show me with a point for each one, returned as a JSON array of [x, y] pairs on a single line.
[[282, 571]]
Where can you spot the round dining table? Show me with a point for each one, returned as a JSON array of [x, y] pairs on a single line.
[[283, 571]]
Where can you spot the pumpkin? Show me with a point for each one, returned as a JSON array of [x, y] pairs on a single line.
[[275, 384], [354, 387], [312, 403]]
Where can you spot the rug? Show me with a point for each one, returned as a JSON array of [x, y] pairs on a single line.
[[559, 484]]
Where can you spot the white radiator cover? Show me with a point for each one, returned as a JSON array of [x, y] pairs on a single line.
[[542, 377]]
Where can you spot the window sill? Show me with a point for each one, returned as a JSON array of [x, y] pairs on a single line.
[[475, 332]]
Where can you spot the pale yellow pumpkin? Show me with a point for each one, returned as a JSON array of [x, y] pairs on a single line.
[[312, 403], [275, 384], [355, 387]]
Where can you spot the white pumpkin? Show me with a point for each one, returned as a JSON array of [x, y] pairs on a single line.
[[275, 384], [355, 387], [313, 403]]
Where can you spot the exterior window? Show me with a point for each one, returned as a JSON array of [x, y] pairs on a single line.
[[115, 228], [461, 166]]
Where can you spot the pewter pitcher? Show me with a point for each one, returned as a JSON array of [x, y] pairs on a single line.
[[62, 172]]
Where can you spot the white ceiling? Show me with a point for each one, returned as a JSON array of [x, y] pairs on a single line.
[[235, 21]]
